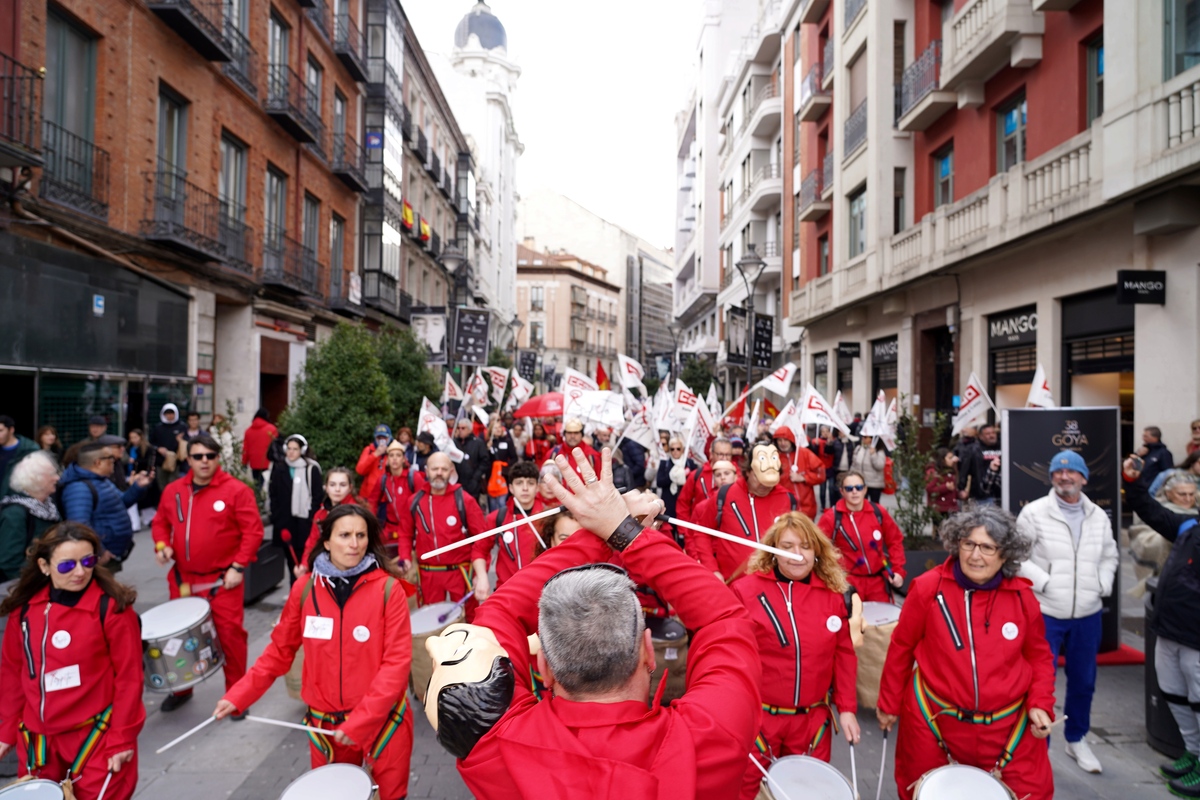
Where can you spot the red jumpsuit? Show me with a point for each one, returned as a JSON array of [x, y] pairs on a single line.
[[209, 529], [863, 544], [537, 450], [356, 663], [393, 498], [798, 681], [517, 546], [743, 515], [975, 650], [589, 452], [802, 462], [86, 667], [434, 522], [372, 469], [695, 748], [314, 535], [697, 487]]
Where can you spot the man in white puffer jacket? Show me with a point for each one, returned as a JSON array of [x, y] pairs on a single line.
[[1072, 566]]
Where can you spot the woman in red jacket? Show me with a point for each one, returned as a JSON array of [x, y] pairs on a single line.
[[969, 674], [802, 623], [352, 618], [339, 490], [870, 542], [72, 631], [256, 441], [538, 448]]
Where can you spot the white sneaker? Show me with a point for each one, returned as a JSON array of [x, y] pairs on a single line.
[[1083, 755]]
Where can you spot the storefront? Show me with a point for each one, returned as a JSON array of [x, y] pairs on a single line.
[[847, 352], [821, 373], [1098, 355], [885, 354], [1012, 355]]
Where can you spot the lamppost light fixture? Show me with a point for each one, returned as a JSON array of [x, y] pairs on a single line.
[[453, 258], [750, 266]]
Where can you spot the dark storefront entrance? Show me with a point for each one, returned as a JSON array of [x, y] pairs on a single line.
[[1098, 355]]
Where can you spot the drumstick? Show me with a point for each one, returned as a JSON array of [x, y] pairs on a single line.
[[853, 772], [532, 527], [283, 724], [505, 527], [775, 787], [196, 729], [882, 765], [766, 548], [104, 788], [443, 617]]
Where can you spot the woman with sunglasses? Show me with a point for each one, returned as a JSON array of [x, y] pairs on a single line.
[[351, 615], [71, 666], [969, 674], [869, 540], [673, 472]]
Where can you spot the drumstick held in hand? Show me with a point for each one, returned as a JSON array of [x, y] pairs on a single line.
[[104, 788], [730, 538], [882, 765], [775, 787], [854, 772], [505, 527], [196, 729], [293, 725], [443, 617]]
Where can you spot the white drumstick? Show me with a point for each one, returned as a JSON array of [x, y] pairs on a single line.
[[766, 548], [775, 787], [532, 527], [294, 725], [882, 765], [505, 527], [853, 772], [196, 729], [104, 788]]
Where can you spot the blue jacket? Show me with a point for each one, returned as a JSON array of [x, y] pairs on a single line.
[[635, 459], [104, 512]]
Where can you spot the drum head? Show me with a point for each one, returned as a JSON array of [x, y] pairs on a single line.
[[666, 629], [425, 618], [876, 613], [172, 617], [810, 778], [33, 790], [959, 780], [332, 780]]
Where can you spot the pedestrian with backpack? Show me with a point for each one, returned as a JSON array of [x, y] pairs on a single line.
[[869, 540], [27, 511], [391, 503], [86, 494]]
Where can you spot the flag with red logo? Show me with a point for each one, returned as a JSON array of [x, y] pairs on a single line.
[[779, 381], [1039, 391], [699, 428], [498, 377], [815, 409], [574, 379], [685, 400], [974, 404], [841, 409], [632, 373], [431, 421], [789, 418], [602, 377], [477, 389], [452, 391]]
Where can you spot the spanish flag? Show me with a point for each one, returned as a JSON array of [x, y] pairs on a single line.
[[602, 377], [769, 409], [406, 217], [425, 232]]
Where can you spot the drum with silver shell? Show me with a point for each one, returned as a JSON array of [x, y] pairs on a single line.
[[804, 777], [33, 790], [955, 781], [179, 644], [343, 781]]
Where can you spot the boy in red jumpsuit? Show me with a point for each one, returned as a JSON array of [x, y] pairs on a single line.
[[517, 547], [393, 499], [869, 540], [699, 485]]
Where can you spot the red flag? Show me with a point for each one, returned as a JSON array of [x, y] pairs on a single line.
[[769, 409], [737, 413], [601, 377]]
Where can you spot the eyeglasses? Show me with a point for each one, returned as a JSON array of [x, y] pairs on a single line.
[[204, 456], [853, 487], [676, 449], [67, 567], [966, 546]]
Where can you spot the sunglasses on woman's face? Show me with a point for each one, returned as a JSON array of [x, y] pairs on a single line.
[[68, 566], [853, 487]]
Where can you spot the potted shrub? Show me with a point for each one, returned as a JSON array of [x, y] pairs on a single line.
[[916, 518]]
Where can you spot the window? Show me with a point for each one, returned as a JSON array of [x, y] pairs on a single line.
[[537, 298], [277, 41], [275, 208], [1095, 79], [537, 334], [858, 223], [823, 255], [796, 45], [70, 84], [312, 85], [337, 245], [899, 207], [1010, 121], [312, 221], [231, 187], [172, 132], [339, 113], [1181, 29], [943, 176], [858, 81]]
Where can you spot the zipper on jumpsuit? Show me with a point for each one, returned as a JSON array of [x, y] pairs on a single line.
[[187, 530], [42, 677], [754, 516], [971, 640], [787, 598]]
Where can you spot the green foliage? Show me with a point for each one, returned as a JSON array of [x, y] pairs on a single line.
[[409, 377], [697, 375], [498, 358], [340, 397], [914, 515], [652, 383]]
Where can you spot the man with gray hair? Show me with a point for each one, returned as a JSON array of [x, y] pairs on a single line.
[[595, 736]]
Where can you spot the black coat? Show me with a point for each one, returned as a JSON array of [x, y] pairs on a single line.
[[279, 490], [1178, 594], [476, 465]]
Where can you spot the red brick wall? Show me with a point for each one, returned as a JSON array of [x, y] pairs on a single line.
[[811, 154]]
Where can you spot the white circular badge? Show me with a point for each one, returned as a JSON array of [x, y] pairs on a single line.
[[61, 639], [361, 633], [1009, 630], [508, 537], [877, 535], [451, 520], [834, 623], [219, 505]]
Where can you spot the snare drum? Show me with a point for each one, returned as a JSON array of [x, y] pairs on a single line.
[[33, 790], [425, 624], [955, 781], [670, 653], [879, 621], [179, 644], [807, 777], [332, 780]]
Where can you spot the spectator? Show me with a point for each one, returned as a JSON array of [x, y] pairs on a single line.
[[372, 463], [979, 467], [1194, 443], [141, 457], [476, 464], [1149, 548], [869, 460], [13, 447], [97, 427], [673, 472], [802, 470], [1072, 565], [519, 434], [1156, 455], [572, 438], [1190, 465], [634, 457], [602, 438], [405, 437], [425, 447], [47, 439], [821, 447], [165, 440], [296, 491], [967, 438], [90, 497], [941, 481], [256, 441], [739, 447], [190, 431], [27, 512], [856, 424], [699, 485], [537, 449], [222, 433]]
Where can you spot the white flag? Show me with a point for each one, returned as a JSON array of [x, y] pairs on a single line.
[[632, 373], [714, 405], [700, 426], [484, 418], [779, 381], [477, 390], [815, 409], [685, 400], [594, 408], [875, 422], [452, 390], [639, 429], [498, 376], [1039, 391], [974, 405], [841, 409], [752, 426], [663, 414], [431, 421], [790, 418], [573, 379], [890, 421]]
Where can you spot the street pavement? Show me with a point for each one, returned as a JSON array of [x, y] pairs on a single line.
[[251, 761]]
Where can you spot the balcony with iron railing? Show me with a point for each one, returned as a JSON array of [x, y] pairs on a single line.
[[434, 244], [349, 162], [827, 176], [200, 23], [404, 307], [318, 14], [812, 207], [75, 172], [406, 126], [384, 84], [181, 215], [434, 167], [287, 263], [379, 290], [448, 185], [855, 130], [20, 114], [350, 46], [236, 237], [766, 116], [921, 102], [345, 293], [242, 67], [766, 188], [814, 100], [292, 104], [852, 9], [422, 147], [828, 67]]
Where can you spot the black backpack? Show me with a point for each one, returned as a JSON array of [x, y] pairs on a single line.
[[415, 508], [837, 523], [724, 490]]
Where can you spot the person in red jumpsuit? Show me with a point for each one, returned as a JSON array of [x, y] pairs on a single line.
[[372, 463], [803, 626], [208, 523], [339, 490], [352, 618], [750, 507], [969, 674], [723, 474], [443, 515], [393, 498], [869, 540], [599, 736], [72, 631], [572, 438], [699, 485], [517, 547], [802, 470]]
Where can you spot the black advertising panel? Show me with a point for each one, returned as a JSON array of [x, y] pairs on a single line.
[[1030, 439], [1136, 286], [471, 336], [764, 332], [885, 351], [1015, 327], [527, 365], [849, 350]]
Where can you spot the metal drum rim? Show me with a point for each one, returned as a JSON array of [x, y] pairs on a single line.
[[442, 608], [969, 770], [13, 789], [155, 636], [823, 765], [338, 767]]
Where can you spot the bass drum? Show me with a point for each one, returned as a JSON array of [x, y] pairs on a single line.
[[425, 624], [879, 620], [956, 781]]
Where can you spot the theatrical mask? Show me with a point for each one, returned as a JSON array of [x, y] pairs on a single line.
[[471, 686], [765, 464]]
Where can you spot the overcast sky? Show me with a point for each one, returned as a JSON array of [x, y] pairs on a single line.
[[596, 102]]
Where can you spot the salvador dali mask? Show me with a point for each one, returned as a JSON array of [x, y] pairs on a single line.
[[471, 687], [765, 464]]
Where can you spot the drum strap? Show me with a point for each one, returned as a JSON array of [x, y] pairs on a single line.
[[933, 706], [537, 683], [35, 744], [784, 711], [394, 720], [462, 568]]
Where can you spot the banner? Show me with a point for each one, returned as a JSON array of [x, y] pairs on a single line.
[[789, 418], [779, 381], [632, 373], [573, 379], [594, 407], [737, 338], [815, 410], [764, 338], [429, 328], [471, 336], [1039, 391], [685, 399], [974, 405], [431, 421], [527, 365]]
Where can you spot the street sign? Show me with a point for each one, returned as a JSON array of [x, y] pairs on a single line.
[[471, 336]]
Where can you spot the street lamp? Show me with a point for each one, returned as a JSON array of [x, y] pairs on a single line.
[[452, 259], [675, 329], [750, 267], [514, 327]]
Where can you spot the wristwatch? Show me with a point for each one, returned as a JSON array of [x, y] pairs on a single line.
[[625, 533]]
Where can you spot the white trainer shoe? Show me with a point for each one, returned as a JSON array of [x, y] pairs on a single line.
[[1084, 757]]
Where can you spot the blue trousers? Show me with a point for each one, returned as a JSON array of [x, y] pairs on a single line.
[[1079, 641]]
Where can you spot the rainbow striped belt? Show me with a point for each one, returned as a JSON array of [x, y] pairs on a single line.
[[933, 707], [783, 711], [35, 744], [320, 741]]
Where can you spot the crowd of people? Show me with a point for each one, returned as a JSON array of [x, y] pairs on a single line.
[[772, 608]]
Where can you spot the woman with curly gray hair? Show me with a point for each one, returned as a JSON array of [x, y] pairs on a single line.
[[968, 672]]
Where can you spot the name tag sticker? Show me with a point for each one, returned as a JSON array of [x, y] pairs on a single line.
[[65, 678], [172, 646], [318, 627]]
